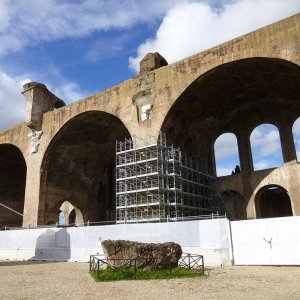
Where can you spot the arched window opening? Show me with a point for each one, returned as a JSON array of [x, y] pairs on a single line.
[[273, 202], [61, 218], [226, 155], [235, 204], [266, 147], [296, 135], [72, 217]]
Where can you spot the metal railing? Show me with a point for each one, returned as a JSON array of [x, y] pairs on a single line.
[[192, 261], [187, 260]]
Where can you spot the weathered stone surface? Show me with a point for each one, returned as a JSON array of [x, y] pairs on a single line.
[[148, 255], [38, 101], [152, 61]]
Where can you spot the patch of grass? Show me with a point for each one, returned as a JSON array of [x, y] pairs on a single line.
[[129, 274]]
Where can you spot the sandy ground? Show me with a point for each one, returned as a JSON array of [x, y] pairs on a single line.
[[33, 280]]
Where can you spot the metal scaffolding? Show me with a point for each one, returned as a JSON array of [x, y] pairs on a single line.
[[157, 183]]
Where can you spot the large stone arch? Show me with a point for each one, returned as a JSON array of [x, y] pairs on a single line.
[[161, 89], [18, 137], [233, 98], [273, 201], [78, 166], [251, 90], [172, 81], [13, 170]]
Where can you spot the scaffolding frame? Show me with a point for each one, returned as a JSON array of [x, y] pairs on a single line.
[[157, 182]]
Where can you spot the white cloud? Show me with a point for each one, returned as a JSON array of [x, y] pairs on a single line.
[[266, 147], [262, 164], [296, 128], [69, 92], [12, 103], [298, 154], [265, 140], [226, 146], [189, 28], [107, 48], [226, 154], [31, 22], [4, 16], [296, 134]]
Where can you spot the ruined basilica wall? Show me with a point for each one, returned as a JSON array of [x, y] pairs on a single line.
[[161, 88], [280, 40]]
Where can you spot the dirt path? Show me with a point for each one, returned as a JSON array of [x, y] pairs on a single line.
[[32, 280]]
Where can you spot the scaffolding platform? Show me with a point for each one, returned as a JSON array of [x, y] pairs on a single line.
[[158, 183]]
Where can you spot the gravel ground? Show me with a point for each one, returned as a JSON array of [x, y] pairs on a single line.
[[34, 280]]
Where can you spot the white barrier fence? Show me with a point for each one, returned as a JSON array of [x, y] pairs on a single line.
[[255, 242], [273, 241], [210, 238]]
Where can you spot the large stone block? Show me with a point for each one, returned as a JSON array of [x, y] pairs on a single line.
[[148, 256]]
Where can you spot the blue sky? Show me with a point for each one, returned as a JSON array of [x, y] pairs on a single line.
[[265, 149], [80, 47]]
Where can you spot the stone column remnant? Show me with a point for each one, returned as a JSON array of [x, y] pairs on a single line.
[[38, 101]]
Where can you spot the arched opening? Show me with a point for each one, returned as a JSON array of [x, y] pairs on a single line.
[[61, 218], [227, 155], [79, 166], [72, 217], [70, 214], [231, 98], [273, 201], [12, 185], [296, 135], [266, 147], [236, 204]]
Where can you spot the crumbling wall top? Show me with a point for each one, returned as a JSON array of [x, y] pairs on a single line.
[[38, 101], [152, 61]]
